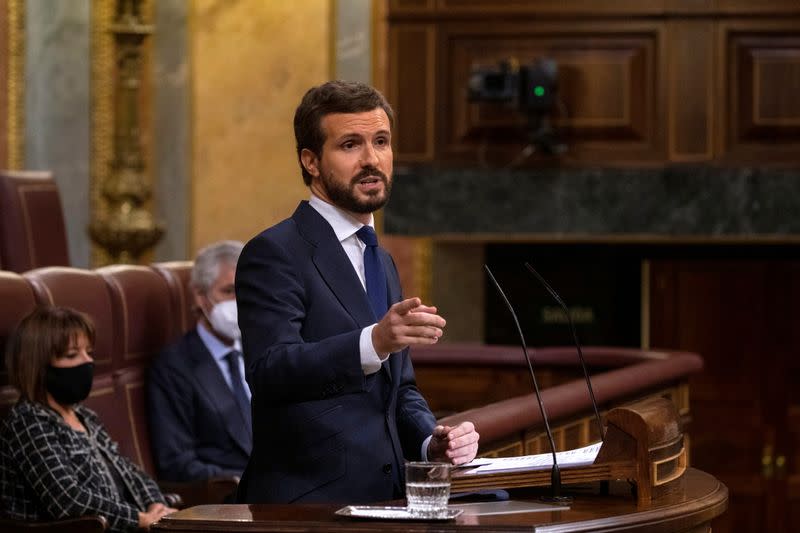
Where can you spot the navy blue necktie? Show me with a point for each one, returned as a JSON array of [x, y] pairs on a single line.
[[374, 273], [238, 385]]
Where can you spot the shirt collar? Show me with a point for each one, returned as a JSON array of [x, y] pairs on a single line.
[[344, 225], [217, 348]]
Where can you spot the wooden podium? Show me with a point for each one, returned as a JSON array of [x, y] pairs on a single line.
[[643, 444]]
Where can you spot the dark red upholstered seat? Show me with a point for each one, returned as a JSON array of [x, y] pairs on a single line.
[[145, 319], [145, 322], [32, 230], [17, 300], [85, 291], [177, 275]]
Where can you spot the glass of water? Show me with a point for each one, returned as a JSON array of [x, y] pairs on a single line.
[[427, 488]]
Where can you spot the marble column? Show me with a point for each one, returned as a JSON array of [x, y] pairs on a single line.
[[57, 113]]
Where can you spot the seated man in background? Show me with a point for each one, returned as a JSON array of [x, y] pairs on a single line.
[[199, 403]]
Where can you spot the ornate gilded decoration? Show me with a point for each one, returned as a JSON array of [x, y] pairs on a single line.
[[15, 129], [124, 228]]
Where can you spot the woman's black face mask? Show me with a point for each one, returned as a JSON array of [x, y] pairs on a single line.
[[69, 385]]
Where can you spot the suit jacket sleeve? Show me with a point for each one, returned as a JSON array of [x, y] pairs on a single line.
[[299, 346]]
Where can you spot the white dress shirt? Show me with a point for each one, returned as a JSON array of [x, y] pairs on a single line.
[[345, 228]]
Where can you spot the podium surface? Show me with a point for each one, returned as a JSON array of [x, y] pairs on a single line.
[[690, 508]]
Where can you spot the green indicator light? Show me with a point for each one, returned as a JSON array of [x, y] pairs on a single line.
[[538, 90]]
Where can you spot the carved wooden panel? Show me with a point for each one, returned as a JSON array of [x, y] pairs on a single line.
[[412, 63], [549, 6], [481, 8], [657, 81], [741, 316], [690, 90], [413, 6], [609, 86], [761, 84]]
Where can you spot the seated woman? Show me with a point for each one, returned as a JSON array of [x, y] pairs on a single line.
[[56, 458]]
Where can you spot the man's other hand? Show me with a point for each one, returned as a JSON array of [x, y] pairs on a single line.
[[456, 445]]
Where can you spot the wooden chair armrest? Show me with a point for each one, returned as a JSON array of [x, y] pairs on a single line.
[[208, 491], [81, 524]]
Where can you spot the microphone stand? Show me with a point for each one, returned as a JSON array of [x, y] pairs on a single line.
[[555, 472], [563, 305]]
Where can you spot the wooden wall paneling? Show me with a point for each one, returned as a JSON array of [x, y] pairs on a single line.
[[412, 79], [792, 421], [689, 7], [726, 311], [755, 7], [611, 81], [411, 6], [759, 83], [463, 8], [785, 395], [690, 93], [663, 306], [556, 7]]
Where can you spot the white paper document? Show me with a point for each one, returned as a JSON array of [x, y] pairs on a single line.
[[577, 457], [506, 507]]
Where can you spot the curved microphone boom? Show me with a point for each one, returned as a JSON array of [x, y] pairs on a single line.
[[563, 305], [555, 473]]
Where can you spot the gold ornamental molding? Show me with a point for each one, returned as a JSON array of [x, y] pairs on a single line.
[[102, 120], [122, 228], [15, 90]]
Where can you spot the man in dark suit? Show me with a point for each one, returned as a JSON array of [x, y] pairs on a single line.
[[199, 402], [325, 329]]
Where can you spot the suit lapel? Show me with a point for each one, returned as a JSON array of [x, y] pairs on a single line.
[[333, 264], [214, 385], [336, 269]]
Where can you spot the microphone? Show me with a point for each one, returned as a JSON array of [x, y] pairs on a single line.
[[563, 305], [555, 473]]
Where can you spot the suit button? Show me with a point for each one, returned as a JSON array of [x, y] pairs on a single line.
[[387, 468]]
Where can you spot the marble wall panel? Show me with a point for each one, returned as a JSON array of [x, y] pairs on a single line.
[[251, 63], [699, 201], [172, 126], [57, 36]]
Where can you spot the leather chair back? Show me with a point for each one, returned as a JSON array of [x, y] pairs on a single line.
[[85, 291], [143, 325], [18, 301], [178, 275], [144, 321], [32, 230]]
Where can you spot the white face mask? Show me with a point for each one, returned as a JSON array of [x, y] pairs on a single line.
[[224, 318]]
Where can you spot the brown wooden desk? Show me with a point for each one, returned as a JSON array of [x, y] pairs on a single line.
[[690, 509]]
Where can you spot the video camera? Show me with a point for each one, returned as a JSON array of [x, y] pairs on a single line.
[[529, 88]]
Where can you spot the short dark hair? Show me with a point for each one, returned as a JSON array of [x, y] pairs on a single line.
[[44, 333], [332, 97]]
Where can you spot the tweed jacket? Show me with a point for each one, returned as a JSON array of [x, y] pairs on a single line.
[[49, 470]]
